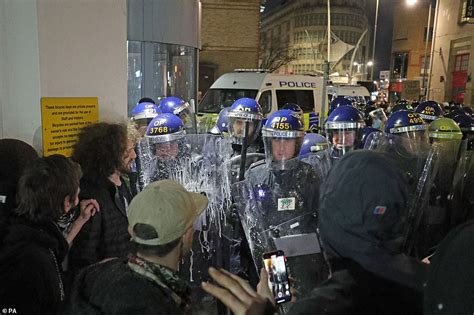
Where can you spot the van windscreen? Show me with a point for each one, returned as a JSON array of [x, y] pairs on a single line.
[[216, 99], [304, 98]]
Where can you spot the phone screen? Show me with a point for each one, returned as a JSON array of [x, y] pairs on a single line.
[[275, 264]]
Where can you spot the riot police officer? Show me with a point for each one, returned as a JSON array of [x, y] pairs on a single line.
[[177, 106], [162, 147], [245, 115], [338, 102], [343, 129], [222, 125], [429, 111], [142, 114], [313, 143], [446, 136], [278, 202]]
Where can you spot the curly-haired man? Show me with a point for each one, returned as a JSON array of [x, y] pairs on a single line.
[[104, 153]]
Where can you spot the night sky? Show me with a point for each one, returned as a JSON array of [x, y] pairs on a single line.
[[384, 30], [383, 43]]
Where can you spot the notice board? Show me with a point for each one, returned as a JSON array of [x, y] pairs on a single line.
[[62, 118]]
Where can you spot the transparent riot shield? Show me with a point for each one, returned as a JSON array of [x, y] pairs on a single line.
[[320, 161], [461, 197], [420, 162], [232, 166], [281, 214], [235, 249], [197, 162]]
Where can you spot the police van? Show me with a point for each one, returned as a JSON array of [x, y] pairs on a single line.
[[356, 92], [272, 91]]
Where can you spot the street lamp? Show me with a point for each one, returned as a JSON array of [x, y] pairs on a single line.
[[411, 2], [375, 37], [370, 63]]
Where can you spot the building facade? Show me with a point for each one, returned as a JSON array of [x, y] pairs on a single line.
[[230, 38], [297, 30], [453, 54], [78, 48], [411, 41]]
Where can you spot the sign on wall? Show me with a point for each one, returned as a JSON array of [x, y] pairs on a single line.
[[469, 9], [62, 120]]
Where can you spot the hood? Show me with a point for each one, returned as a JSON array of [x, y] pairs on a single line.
[[363, 210]]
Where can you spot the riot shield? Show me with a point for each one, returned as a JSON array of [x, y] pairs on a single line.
[[420, 162], [197, 162], [461, 197], [278, 211], [320, 161], [232, 166]]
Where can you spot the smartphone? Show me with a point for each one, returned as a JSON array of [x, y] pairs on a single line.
[[275, 264]]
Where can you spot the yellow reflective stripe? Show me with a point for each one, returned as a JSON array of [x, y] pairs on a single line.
[[306, 121]]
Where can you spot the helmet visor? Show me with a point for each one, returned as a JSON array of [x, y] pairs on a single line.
[[281, 152], [342, 140], [237, 129]]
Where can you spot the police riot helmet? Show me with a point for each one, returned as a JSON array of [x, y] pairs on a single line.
[[343, 129], [142, 114], [467, 110], [177, 106], [429, 110], [283, 135], [466, 123], [244, 111], [402, 105], [222, 125], [144, 110], [410, 126], [455, 112], [295, 108], [313, 142], [365, 133], [165, 127], [444, 129], [163, 134], [338, 102]]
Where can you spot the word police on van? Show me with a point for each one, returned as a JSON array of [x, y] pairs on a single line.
[[272, 91]]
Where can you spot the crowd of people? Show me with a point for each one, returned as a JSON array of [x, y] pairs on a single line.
[[374, 213]]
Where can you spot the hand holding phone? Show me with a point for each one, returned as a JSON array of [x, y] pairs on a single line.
[[275, 265]]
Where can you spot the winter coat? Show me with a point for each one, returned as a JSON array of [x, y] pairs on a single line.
[[30, 266], [112, 287], [106, 234], [354, 290]]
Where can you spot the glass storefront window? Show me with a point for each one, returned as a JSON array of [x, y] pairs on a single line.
[[134, 76], [158, 70]]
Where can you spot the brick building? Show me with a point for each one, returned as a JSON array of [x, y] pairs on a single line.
[[229, 38], [411, 37], [300, 28], [453, 57]]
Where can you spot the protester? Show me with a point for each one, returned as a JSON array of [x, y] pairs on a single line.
[[362, 236], [15, 155], [32, 245], [161, 221], [104, 153], [450, 285]]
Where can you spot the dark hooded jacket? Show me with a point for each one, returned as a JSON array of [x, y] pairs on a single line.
[[128, 286], [363, 209], [30, 266], [105, 235], [450, 285]]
